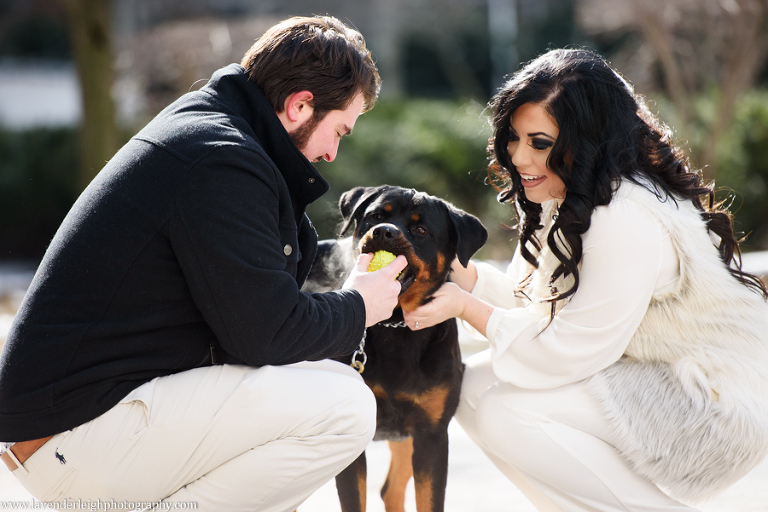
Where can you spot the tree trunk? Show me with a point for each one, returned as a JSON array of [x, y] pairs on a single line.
[[657, 37], [90, 25], [746, 56]]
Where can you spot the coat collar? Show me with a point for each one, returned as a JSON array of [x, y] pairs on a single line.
[[231, 86]]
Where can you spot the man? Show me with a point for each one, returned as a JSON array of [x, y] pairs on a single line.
[[153, 357]]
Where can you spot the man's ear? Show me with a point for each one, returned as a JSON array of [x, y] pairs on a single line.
[[297, 109]]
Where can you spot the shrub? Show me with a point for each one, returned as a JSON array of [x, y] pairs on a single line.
[[38, 184], [743, 167], [431, 145]]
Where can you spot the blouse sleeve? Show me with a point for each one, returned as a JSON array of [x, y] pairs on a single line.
[[498, 287], [623, 253]]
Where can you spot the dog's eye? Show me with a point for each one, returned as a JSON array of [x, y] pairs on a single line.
[[376, 217], [419, 230]]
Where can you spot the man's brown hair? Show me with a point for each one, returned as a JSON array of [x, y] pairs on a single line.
[[319, 54]]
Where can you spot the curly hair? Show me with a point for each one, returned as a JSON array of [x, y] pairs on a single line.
[[319, 54], [606, 133]]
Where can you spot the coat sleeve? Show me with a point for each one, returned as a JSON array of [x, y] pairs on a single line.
[[624, 252], [235, 236]]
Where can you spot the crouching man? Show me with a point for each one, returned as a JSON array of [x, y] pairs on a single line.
[[164, 350]]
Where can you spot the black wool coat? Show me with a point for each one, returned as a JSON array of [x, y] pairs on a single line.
[[188, 249]]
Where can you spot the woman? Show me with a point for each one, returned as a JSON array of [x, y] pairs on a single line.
[[629, 352]]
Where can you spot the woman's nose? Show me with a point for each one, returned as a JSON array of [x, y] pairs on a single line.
[[518, 153]]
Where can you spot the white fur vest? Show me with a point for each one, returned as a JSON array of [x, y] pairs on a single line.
[[689, 398]]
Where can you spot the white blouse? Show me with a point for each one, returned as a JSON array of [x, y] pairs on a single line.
[[628, 257]]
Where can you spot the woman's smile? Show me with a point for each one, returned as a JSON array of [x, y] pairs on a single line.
[[529, 180]]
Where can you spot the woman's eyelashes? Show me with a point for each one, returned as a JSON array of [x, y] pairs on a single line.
[[540, 144], [537, 143]]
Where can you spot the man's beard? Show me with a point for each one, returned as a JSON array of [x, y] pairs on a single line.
[[300, 136]]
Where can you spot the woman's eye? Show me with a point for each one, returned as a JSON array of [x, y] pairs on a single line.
[[541, 144]]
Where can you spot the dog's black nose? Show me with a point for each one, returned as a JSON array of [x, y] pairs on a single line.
[[385, 232]]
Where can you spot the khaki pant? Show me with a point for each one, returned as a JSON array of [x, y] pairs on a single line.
[[226, 437], [554, 445]]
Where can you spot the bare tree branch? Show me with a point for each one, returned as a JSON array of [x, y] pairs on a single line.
[[696, 45]]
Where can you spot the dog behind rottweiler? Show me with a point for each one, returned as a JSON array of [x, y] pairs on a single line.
[[414, 375]]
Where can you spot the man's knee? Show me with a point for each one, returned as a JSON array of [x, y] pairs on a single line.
[[358, 412], [353, 406]]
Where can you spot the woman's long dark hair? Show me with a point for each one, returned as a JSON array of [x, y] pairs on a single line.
[[606, 133]]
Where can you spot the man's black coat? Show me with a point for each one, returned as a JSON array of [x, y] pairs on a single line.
[[188, 249]]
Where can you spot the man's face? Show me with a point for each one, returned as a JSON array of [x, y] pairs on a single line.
[[319, 138]]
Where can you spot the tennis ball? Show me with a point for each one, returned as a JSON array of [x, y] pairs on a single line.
[[380, 260]]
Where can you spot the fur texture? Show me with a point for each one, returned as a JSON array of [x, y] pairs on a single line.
[[690, 396]]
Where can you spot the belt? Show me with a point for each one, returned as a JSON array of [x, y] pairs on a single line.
[[22, 451]]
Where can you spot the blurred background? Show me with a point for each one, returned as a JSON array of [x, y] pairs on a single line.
[[79, 77]]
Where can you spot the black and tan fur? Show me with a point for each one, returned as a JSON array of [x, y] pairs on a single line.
[[415, 375]]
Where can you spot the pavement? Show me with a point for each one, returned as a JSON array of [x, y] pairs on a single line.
[[474, 484]]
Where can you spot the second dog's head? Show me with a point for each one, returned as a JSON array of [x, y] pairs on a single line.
[[428, 231]]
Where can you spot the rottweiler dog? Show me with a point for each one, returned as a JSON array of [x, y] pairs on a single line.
[[415, 375]]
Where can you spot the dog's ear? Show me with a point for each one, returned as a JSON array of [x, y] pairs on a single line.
[[352, 204], [471, 235]]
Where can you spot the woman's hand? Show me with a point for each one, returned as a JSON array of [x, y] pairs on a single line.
[[450, 301], [447, 302], [465, 277]]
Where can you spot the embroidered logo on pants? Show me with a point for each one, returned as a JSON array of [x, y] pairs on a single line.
[[60, 457]]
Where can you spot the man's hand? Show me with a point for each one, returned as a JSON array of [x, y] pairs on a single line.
[[379, 289]]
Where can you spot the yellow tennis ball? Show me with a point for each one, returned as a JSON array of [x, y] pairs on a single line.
[[380, 260]]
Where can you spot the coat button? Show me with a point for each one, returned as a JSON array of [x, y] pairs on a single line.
[[287, 250], [311, 180]]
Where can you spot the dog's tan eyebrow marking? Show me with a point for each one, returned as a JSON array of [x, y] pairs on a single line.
[[415, 217], [387, 207]]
